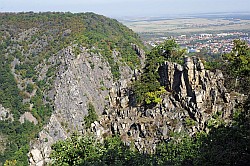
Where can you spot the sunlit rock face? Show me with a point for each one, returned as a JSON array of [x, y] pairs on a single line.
[[194, 95]]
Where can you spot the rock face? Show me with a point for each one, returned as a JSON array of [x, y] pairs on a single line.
[[36, 157], [140, 52], [87, 79], [194, 95], [29, 117], [80, 80], [5, 114]]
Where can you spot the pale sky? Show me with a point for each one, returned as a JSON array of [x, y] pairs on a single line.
[[121, 8]]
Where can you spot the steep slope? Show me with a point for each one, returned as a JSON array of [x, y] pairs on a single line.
[[60, 70], [75, 89], [195, 101], [53, 65]]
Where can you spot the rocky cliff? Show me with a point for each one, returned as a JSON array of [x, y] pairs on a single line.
[[80, 80], [54, 66], [5, 114], [196, 98]]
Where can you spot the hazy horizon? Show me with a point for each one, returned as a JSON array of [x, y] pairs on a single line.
[[129, 8]]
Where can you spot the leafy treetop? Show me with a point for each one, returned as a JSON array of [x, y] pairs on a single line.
[[147, 88], [239, 58]]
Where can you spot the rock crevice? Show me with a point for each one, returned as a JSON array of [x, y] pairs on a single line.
[[193, 96]]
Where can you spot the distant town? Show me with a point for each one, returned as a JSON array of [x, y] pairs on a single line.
[[203, 34], [213, 43]]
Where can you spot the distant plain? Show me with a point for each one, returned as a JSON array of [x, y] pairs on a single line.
[[189, 25]]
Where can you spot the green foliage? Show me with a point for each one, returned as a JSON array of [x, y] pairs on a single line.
[[212, 64], [147, 88], [181, 150], [171, 51], [239, 58], [9, 92], [29, 88], [216, 120], [154, 97], [115, 69], [46, 34], [92, 65], [19, 136], [98, 33], [116, 153], [107, 35], [225, 146], [77, 150], [76, 50], [26, 70], [51, 71], [211, 61], [237, 68], [91, 117], [10, 163], [87, 150], [222, 146], [189, 122]]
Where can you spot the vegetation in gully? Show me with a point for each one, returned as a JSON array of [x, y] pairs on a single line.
[[23, 89]]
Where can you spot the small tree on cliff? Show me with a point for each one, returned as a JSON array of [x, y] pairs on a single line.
[[91, 117], [147, 88], [239, 58], [239, 64]]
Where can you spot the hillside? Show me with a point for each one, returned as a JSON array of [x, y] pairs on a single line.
[[37, 47], [78, 89]]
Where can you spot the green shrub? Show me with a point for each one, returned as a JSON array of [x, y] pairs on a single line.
[[189, 122], [29, 88], [147, 88], [91, 117]]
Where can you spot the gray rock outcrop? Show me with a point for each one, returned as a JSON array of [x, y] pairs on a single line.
[[29, 117], [194, 95], [81, 79], [5, 114]]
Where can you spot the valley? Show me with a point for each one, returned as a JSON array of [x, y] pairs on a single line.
[[84, 89]]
